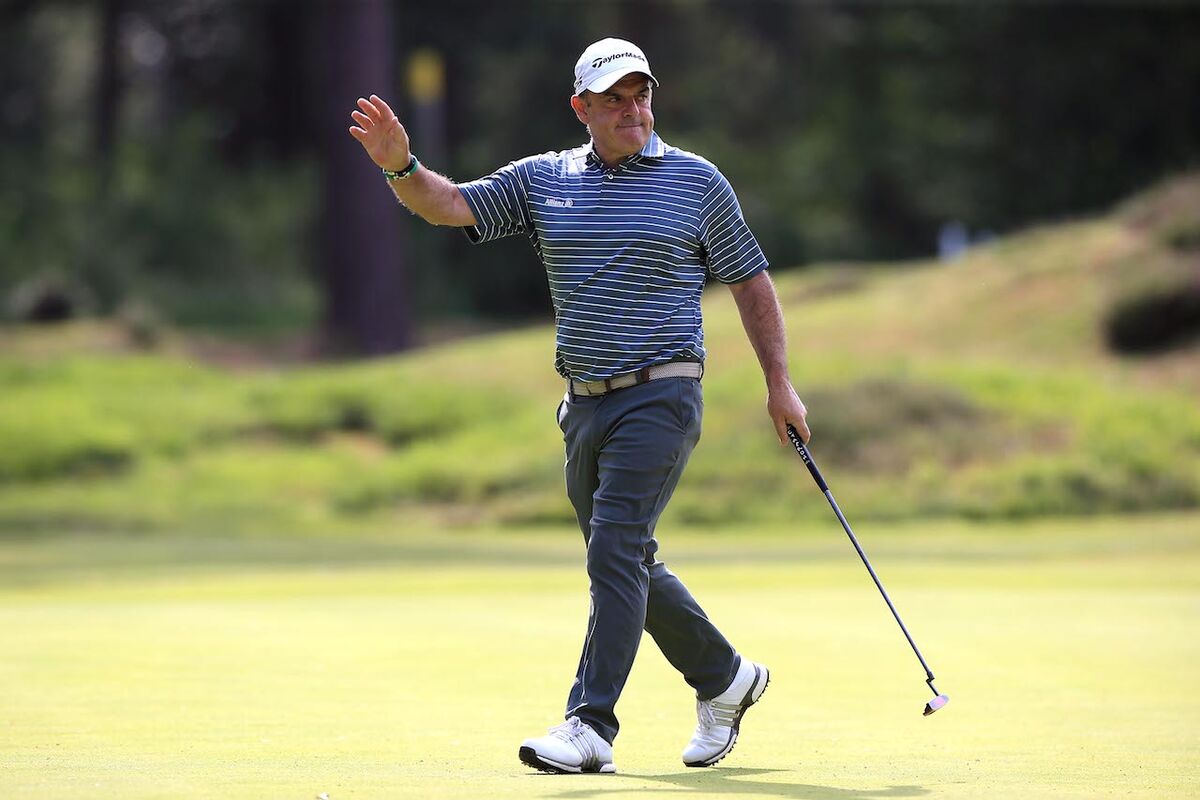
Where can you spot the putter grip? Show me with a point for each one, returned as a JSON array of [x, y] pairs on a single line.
[[802, 451]]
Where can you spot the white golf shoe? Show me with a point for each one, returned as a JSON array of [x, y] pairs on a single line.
[[570, 747], [718, 719]]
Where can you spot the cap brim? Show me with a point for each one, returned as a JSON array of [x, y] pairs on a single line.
[[605, 82]]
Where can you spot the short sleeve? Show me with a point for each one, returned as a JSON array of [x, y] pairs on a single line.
[[499, 202], [732, 253]]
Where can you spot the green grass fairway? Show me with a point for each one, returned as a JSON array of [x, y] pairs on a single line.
[[414, 669]]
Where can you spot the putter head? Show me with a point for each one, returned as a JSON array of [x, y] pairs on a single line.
[[936, 703]]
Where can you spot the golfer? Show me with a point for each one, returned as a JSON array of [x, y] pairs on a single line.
[[628, 227]]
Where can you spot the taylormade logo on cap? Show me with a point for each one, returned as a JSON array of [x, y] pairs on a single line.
[[606, 62], [597, 63]]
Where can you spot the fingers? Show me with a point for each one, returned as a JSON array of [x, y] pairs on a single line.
[[781, 430], [781, 426], [370, 122], [374, 117], [371, 111], [785, 408], [385, 111], [365, 124], [362, 131]]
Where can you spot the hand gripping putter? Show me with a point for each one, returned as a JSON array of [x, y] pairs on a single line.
[[938, 700]]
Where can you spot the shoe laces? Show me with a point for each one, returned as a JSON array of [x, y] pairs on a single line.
[[712, 713], [571, 729], [574, 732]]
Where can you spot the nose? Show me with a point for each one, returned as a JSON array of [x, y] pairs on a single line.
[[630, 108]]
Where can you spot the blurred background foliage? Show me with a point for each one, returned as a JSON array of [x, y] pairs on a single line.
[[178, 188], [986, 388], [187, 161]]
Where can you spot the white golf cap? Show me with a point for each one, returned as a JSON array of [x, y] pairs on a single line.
[[607, 61]]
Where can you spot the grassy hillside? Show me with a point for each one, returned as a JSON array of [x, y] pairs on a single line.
[[982, 388]]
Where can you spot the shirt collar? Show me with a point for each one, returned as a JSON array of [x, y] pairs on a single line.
[[655, 148]]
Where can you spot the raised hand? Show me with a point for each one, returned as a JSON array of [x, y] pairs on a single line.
[[381, 134]]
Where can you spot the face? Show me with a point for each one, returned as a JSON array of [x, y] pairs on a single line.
[[618, 118]]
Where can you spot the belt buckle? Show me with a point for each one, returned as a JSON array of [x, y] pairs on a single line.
[[584, 388]]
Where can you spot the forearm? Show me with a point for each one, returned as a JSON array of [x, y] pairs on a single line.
[[762, 318], [433, 197]]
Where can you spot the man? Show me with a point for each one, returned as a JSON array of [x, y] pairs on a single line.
[[627, 227]]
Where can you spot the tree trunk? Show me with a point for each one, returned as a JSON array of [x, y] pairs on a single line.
[[108, 89], [363, 231]]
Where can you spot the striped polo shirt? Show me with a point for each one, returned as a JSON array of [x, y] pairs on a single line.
[[626, 249]]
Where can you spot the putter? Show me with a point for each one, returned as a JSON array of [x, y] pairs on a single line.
[[938, 700]]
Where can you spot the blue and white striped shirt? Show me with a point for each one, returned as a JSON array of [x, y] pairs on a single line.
[[625, 249]]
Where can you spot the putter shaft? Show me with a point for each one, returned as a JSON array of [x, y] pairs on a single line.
[[802, 451], [879, 584]]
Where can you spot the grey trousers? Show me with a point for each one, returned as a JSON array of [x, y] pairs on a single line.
[[625, 453]]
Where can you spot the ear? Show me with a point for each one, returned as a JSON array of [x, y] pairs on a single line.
[[580, 108]]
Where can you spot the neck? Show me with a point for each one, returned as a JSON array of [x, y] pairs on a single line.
[[610, 158]]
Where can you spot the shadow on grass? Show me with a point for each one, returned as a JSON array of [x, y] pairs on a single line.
[[734, 781]]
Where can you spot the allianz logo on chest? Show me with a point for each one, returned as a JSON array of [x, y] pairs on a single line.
[[560, 203]]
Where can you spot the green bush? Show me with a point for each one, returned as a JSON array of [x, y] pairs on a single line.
[[398, 405], [78, 415], [1156, 320], [61, 440]]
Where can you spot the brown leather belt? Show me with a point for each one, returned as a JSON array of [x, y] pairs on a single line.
[[675, 369]]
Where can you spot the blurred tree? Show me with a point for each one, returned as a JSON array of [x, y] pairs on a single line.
[[108, 85], [362, 251]]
